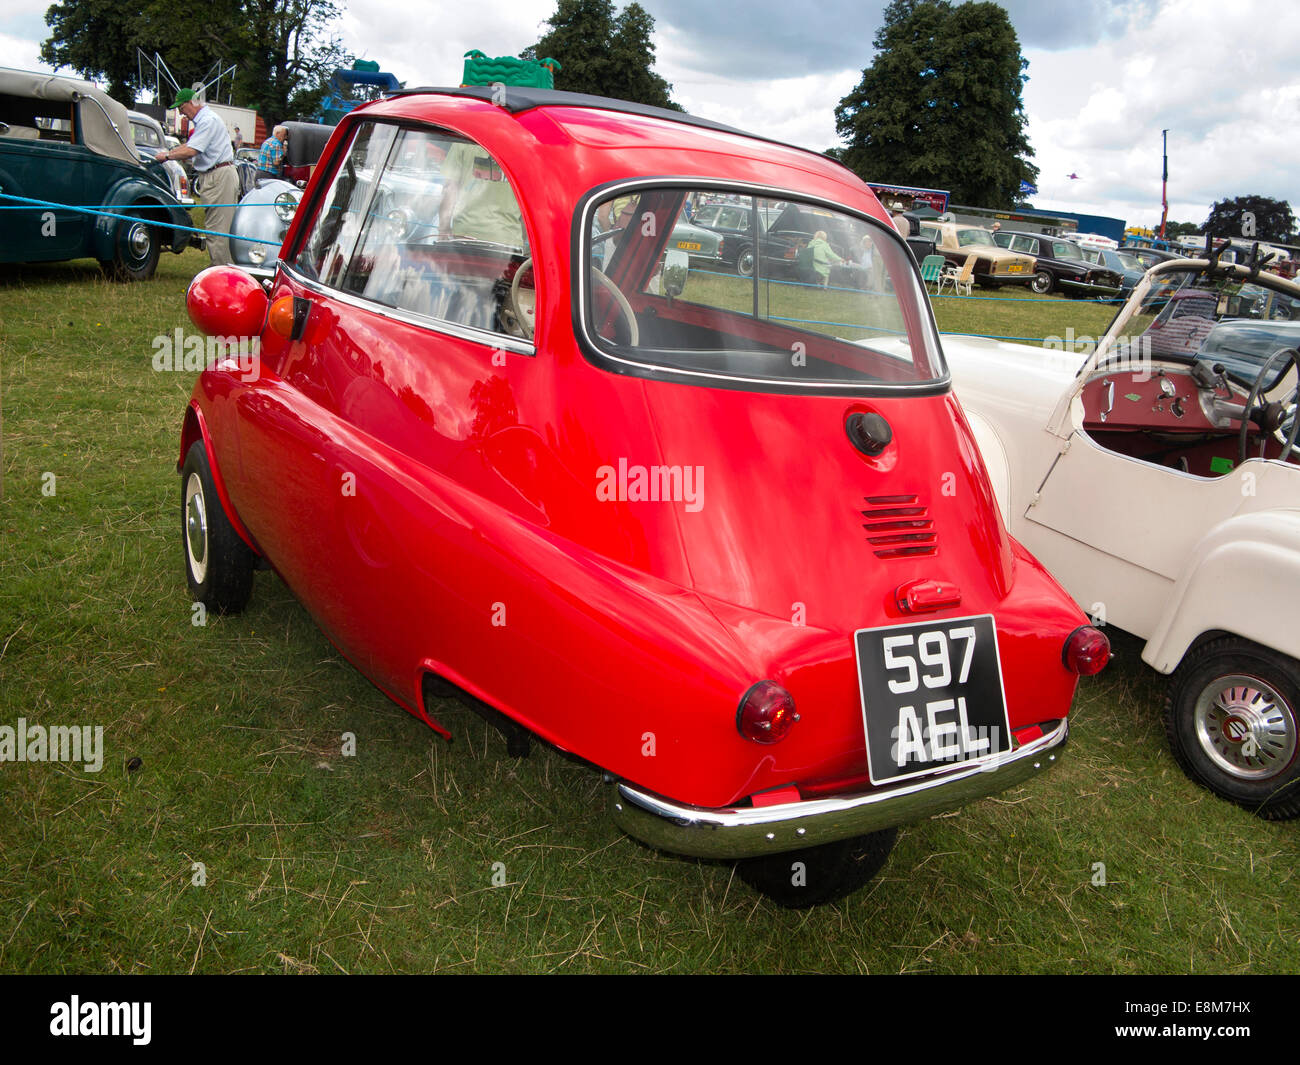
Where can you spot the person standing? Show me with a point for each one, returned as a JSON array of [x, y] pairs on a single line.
[[237, 141], [270, 158], [214, 164]]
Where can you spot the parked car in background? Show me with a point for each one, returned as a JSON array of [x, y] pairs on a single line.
[[541, 441], [733, 222], [65, 142], [1060, 264], [147, 132], [1127, 267], [994, 266], [263, 215], [1149, 257], [1161, 484]]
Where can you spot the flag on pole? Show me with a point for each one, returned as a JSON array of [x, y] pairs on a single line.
[[1027, 189]]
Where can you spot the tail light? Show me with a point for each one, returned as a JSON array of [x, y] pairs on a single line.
[[1086, 651], [766, 713]]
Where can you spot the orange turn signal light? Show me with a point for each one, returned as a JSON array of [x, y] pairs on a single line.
[[280, 317]]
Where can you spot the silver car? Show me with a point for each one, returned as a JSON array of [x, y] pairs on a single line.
[[263, 215]]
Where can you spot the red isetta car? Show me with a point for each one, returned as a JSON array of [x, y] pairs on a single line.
[[727, 538]]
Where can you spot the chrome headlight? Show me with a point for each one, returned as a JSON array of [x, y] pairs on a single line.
[[257, 254], [285, 205]]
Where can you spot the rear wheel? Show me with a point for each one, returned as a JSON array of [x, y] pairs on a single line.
[[1233, 720], [218, 564], [1042, 283], [816, 875], [745, 262]]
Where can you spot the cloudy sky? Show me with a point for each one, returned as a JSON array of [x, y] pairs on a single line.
[[1105, 77]]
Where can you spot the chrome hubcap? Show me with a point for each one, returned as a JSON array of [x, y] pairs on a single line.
[[196, 528], [138, 239], [1245, 727]]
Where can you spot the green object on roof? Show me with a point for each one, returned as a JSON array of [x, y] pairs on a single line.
[[369, 65], [508, 70]]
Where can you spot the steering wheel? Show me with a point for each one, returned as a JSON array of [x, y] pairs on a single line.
[[625, 308], [1286, 438], [526, 318]]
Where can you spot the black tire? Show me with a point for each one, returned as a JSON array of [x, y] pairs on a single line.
[[1233, 720], [829, 872], [218, 564], [745, 262], [1042, 283], [136, 250]]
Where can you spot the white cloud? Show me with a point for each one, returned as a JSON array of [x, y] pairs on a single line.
[[1105, 77]]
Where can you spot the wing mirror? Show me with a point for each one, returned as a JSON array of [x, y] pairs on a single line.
[[677, 265]]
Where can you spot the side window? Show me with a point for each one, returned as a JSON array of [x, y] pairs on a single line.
[[424, 221], [30, 118], [1025, 244]]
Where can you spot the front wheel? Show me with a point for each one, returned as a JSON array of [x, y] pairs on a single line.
[[218, 564], [816, 875], [1042, 283], [745, 262], [1233, 720], [136, 251]]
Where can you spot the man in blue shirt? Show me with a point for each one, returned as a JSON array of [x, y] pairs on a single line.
[[214, 163], [270, 159]]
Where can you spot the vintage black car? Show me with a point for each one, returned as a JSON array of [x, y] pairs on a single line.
[[1060, 264], [733, 221], [63, 141], [787, 234]]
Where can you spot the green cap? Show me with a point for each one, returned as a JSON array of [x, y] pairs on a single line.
[[182, 97]]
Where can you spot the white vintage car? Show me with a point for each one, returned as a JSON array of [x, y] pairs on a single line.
[[1160, 484]]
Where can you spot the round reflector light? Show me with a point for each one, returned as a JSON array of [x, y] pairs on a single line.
[[1086, 651], [766, 713]]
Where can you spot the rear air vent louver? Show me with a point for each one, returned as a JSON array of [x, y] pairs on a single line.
[[899, 527]]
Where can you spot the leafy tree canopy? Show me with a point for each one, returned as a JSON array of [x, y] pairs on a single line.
[[941, 105], [283, 51], [602, 54], [1251, 218]]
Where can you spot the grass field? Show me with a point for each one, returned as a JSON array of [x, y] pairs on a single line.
[[315, 862]]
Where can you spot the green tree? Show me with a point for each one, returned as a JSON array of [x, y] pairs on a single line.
[[283, 51], [941, 105], [1251, 217], [97, 39], [602, 54]]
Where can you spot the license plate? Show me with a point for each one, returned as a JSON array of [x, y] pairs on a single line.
[[931, 696], [685, 246], [1018, 269]]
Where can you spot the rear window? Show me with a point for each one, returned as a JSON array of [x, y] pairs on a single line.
[[822, 300]]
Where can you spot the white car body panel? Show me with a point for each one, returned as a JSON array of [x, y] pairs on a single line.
[[1167, 555]]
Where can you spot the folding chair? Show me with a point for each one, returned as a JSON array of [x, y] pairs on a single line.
[[960, 279]]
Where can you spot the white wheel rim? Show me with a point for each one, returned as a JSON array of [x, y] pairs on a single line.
[[196, 528], [1245, 727]]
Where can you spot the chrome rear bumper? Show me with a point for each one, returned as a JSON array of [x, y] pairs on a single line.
[[748, 831]]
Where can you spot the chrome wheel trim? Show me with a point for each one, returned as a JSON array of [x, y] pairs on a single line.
[[138, 240], [1245, 727], [196, 529]]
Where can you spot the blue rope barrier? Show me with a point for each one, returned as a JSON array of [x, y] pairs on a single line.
[[137, 218], [95, 206]]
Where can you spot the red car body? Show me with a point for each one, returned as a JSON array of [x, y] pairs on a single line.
[[473, 547]]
